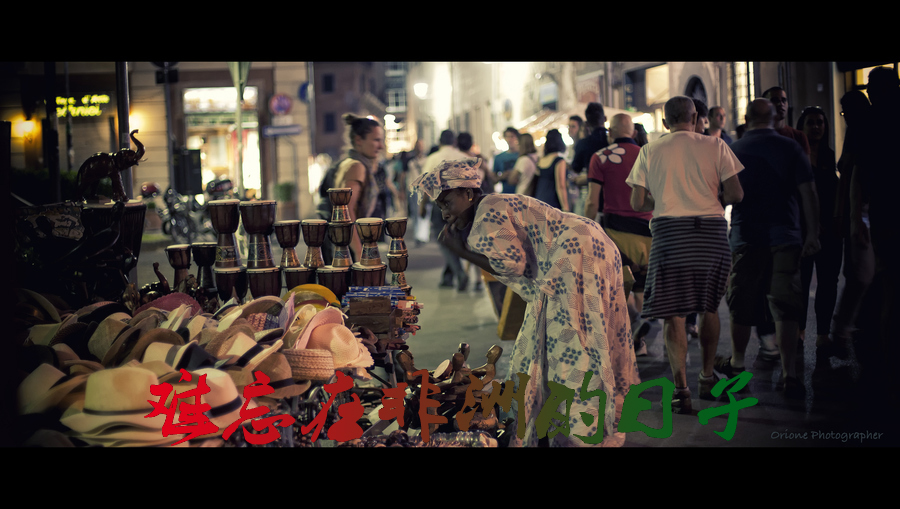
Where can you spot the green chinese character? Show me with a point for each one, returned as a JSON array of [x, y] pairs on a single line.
[[634, 404], [737, 383], [587, 418], [549, 411]]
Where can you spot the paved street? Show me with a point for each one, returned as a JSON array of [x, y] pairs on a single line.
[[835, 407]]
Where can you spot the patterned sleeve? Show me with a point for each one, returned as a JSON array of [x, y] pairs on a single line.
[[495, 234]]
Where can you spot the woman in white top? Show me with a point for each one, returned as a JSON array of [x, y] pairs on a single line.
[[523, 172]]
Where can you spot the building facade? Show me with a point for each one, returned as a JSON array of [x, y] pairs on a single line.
[[198, 114]]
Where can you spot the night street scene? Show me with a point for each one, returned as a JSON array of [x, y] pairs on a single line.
[[450, 254]]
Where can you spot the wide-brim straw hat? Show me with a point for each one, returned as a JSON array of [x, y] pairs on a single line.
[[116, 397], [265, 304], [307, 364], [138, 347], [245, 351], [43, 311], [106, 333], [348, 350], [189, 357], [45, 333], [45, 387], [72, 364], [171, 302], [302, 317], [327, 315], [277, 368]]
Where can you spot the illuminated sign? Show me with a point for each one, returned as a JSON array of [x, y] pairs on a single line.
[[89, 105]]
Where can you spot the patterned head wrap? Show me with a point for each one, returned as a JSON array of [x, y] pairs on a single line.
[[447, 175]]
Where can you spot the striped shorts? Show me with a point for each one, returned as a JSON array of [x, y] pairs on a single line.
[[689, 265]]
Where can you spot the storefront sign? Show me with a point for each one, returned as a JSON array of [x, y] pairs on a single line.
[[346, 428], [89, 105]]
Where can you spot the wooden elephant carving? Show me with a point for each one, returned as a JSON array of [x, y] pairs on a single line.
[[104, 164]]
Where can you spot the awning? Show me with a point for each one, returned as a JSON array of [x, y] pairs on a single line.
[[538, 124]]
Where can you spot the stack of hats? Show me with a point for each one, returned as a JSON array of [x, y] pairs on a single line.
[[86, 375]]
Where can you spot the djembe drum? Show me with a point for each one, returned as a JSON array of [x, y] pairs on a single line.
[[340, 197], [205, 257], [288, 235], [179, 256], [296, 276], [369, 229], [258, 218], [398, 263], [396, 229], [225, 216], [336, 279], [264, 281], [231, 280], [340, 235], [362, 275], [314, 231]]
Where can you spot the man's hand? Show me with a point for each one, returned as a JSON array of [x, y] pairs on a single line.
[[811, 246]]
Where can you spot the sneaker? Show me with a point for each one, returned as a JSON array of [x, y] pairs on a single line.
[[723, 365], [640, 348], [706, 385], [681, 401]]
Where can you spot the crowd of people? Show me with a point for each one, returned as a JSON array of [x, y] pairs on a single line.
[[539, 219]]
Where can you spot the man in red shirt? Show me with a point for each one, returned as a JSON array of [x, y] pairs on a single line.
[[630, 230]]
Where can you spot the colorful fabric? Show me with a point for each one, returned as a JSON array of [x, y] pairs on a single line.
[[570, 274], [447, 175]]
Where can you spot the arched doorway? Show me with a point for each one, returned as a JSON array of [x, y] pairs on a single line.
[[696, 90]]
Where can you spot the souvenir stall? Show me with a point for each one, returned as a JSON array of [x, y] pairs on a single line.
[[228, 352]]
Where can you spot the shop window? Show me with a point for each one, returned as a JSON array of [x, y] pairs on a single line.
[[743, 89]]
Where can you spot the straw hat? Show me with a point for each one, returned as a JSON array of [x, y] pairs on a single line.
[[45, 387], [189, 357], [97, 311], [158, 335], [302, 317], [172, 301], [247, 352], [327, 315], [347, 349], [265, 304], [106, 333], [123, 344], [44, 333], [71, 363], [277, 368], [41, 310], [116, 397], [306, 364]]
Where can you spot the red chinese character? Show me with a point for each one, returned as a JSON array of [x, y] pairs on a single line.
[[392, 404], [344, 383], [191, 420], [347, 428], [259, 388], [425, 418]]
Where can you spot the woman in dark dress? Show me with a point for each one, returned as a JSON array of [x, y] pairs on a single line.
[[827, 262]]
